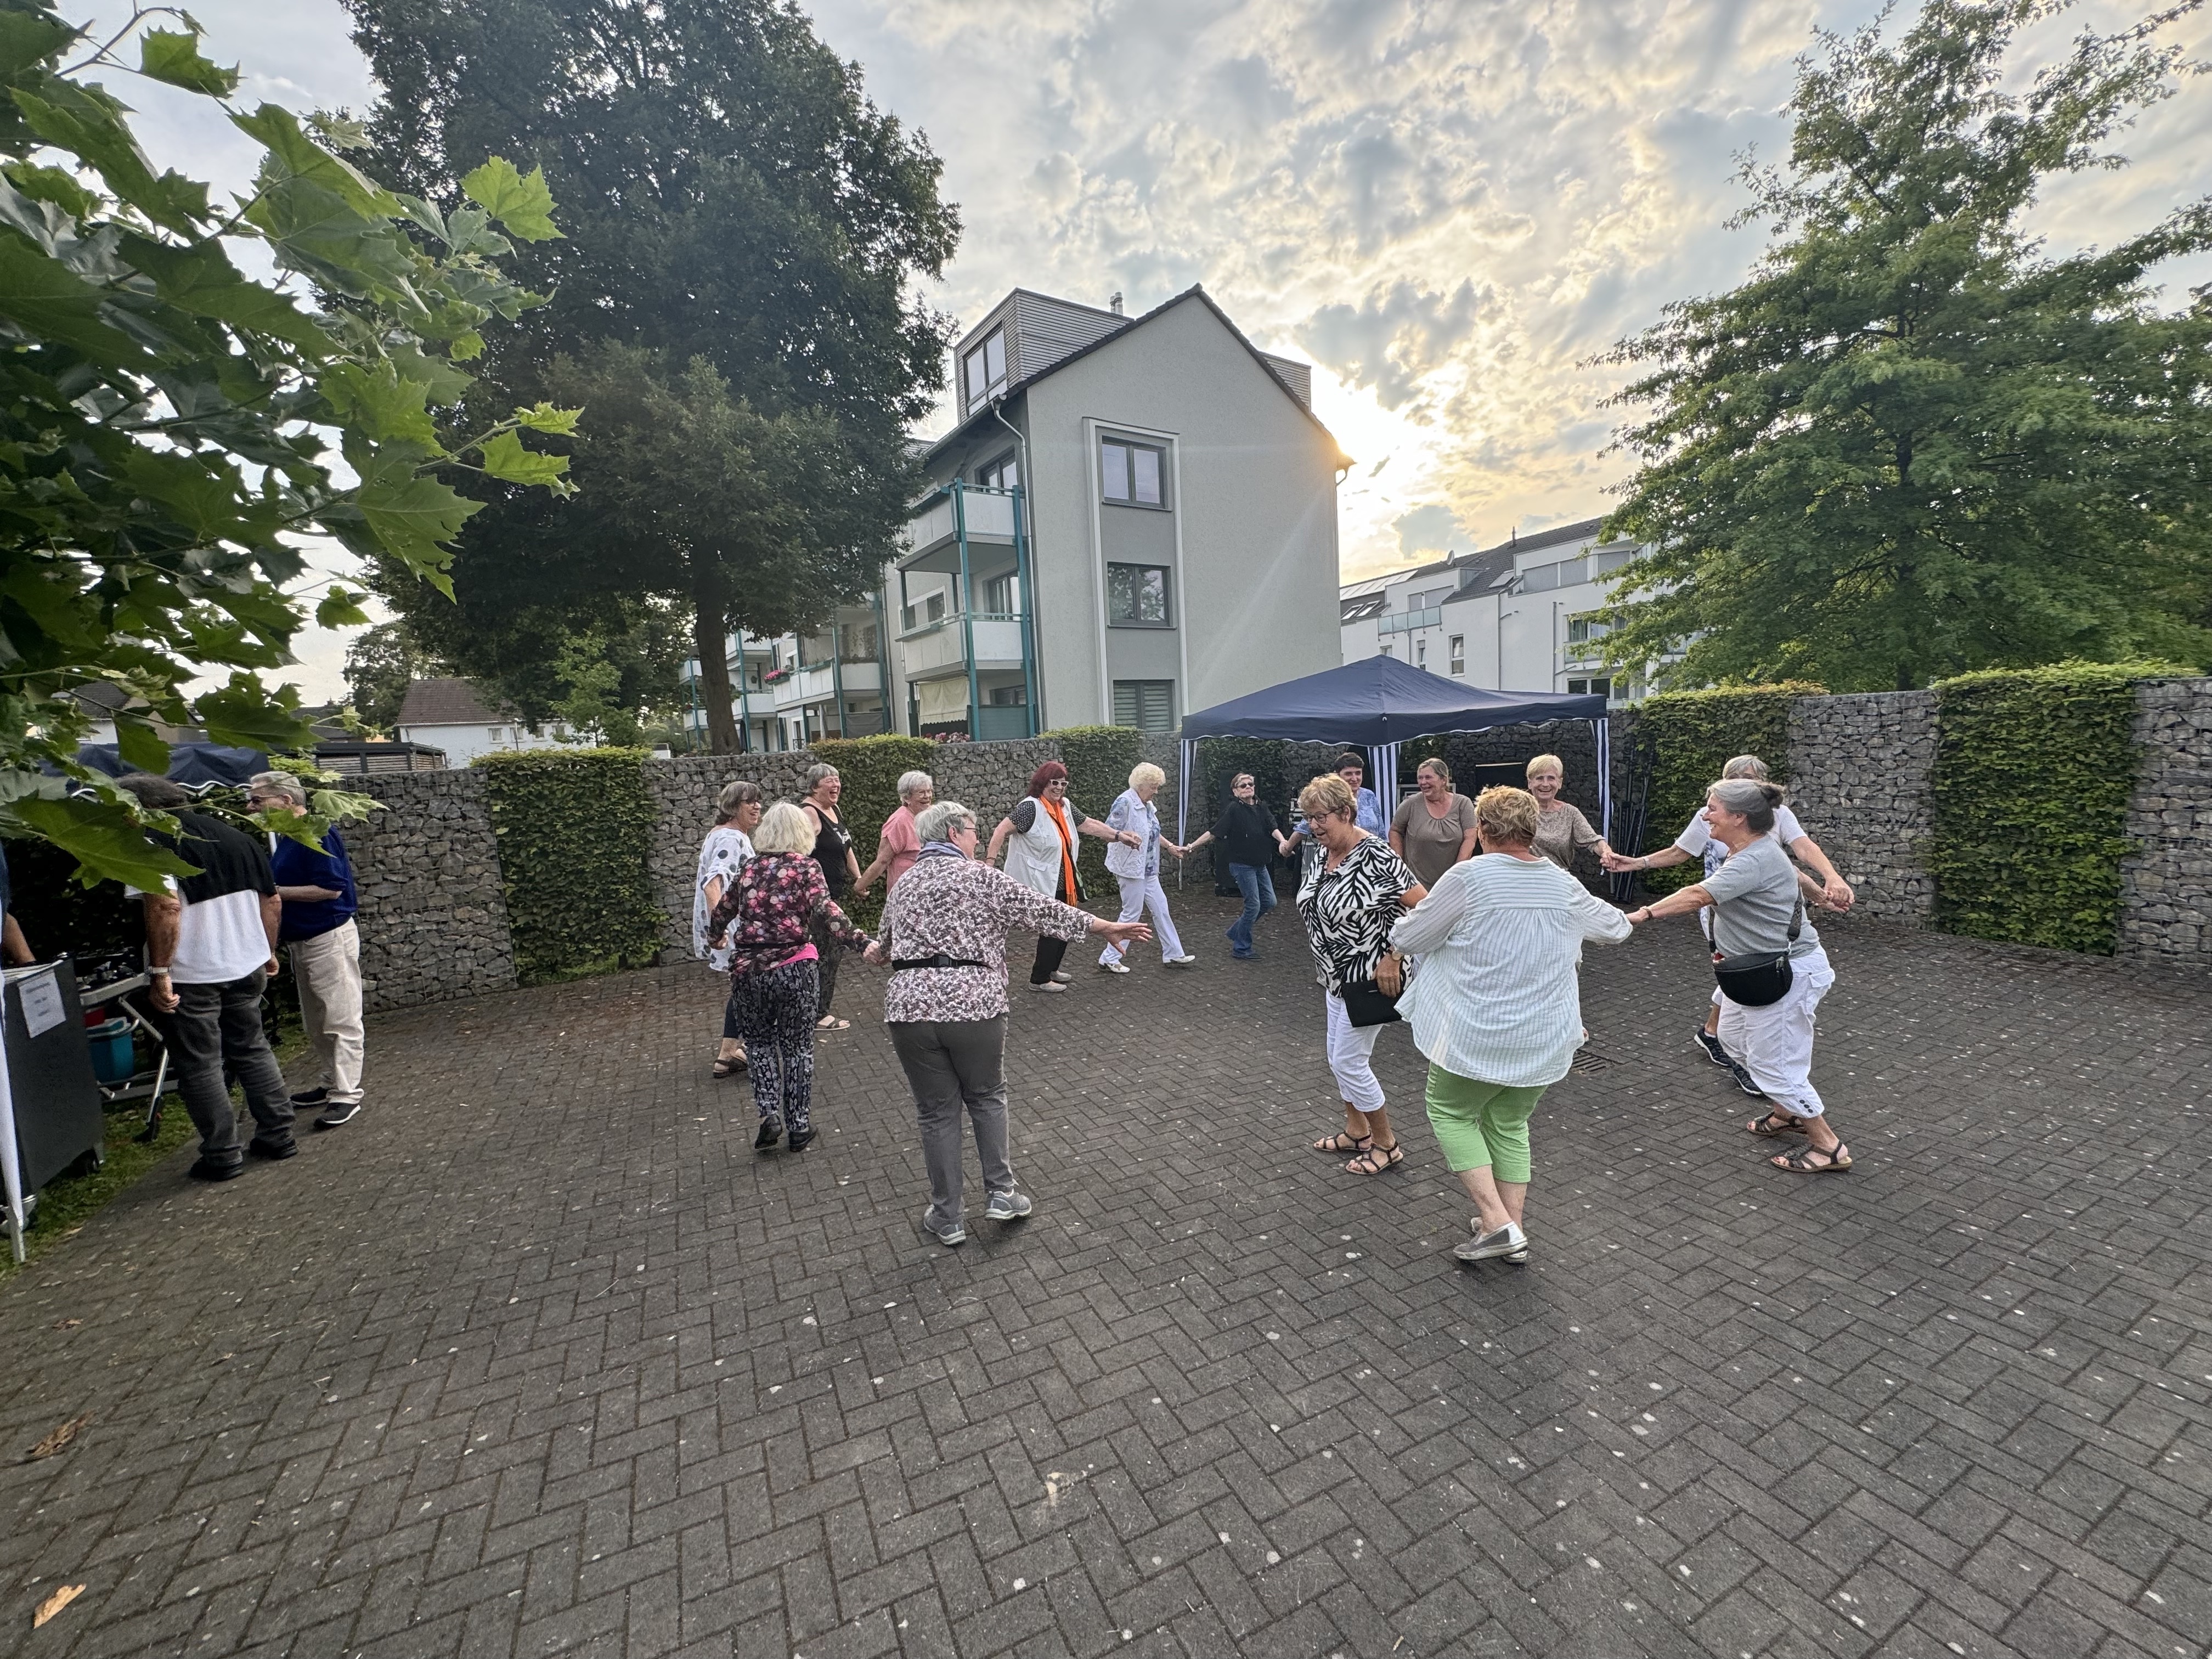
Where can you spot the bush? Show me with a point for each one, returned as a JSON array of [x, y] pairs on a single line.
[[2033, 768], [1686, 737], [1099, 759], [870, 767], [1220, 759], [575, 829]]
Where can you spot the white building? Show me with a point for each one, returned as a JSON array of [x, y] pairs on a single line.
[[1524, 615], [1133, 517], [453, 715]]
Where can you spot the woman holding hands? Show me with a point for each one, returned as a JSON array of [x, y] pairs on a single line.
[[1137, 867], [1038, 838]]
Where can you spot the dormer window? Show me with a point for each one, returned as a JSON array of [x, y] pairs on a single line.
[[985, 368]]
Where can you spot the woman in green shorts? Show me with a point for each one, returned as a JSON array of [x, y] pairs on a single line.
[[1496, 1006]]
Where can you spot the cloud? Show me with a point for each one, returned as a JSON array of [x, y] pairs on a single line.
[[1431, 529], [1393, 336]]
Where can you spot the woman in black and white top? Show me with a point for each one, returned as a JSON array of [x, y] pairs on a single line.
[[833, 851], [1349, 901]]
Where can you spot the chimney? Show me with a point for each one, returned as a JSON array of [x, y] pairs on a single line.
[[1114, 304]]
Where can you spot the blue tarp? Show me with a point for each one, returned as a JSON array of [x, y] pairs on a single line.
[[193, 764], [1380, 700]]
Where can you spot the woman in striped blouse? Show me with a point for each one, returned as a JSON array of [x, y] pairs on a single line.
[[1497, 1007]]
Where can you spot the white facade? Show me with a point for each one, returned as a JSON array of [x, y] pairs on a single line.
[[463, 741], [1524, 615], [795, 688]]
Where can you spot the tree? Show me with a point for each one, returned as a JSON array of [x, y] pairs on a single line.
[[739, 202], [381, 663], [161, 434], [1912, 444]]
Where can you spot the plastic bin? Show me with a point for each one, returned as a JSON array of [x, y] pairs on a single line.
[[114, 1059]]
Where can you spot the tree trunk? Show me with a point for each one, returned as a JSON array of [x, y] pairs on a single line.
[[709, 628]]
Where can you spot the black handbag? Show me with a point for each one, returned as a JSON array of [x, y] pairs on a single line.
[[1367, 1003], [1758, 979]]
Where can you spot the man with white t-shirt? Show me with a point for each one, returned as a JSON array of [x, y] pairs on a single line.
[[1697, 842], [210, 947]]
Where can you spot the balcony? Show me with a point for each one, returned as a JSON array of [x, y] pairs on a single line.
[[1405, 621], [941, 648], [933, 533]]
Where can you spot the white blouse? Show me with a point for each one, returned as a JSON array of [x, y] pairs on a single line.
[[719, 855]]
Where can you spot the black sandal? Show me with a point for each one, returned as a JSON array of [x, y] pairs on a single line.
[[1775, 1123], [1835, 1161], [1343, 1141], [1377, 1159], [729, 1064]]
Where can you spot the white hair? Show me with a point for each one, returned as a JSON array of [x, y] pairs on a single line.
[[911, 781], [288, 784], [939, 822], [783, 829], [1145, 772]]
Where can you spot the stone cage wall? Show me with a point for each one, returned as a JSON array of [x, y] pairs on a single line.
[[433, 918]]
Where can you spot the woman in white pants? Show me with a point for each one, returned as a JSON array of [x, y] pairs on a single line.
[[1757, 910], [1136, 864], [1350, 902]]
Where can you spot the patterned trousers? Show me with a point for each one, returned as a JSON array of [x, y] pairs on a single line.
[[774, 1014]]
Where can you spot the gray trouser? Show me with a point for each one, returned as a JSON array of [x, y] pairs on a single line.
[[950, 1063], [219, 1026]]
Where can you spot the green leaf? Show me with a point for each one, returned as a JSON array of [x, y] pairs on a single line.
[[245, 713], [301, 157], [105, 840], [447, 384], [202, 280], [50, 303], [176, 58], [504, 457], [379, 403], [314, 229], [415, 518], [466, 345], [339, 131], [27, 39], [341, 608], [136, 742], [52, 185], [544, 418], [89, 123], [520, 202]]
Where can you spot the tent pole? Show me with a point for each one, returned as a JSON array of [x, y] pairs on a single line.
[[1602, 726]]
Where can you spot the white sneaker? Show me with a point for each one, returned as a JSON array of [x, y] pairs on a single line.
[[1064, 977], [1113, 967], [1506, 1241], [1049, 986], [1183, 960]]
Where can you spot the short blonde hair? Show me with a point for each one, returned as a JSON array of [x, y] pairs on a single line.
[[783, 829], [1507, 814], [1145, 772], [1435, 763], [1546, 764], [1326, 794]]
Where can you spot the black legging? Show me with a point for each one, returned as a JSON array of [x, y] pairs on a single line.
[[1050, 951]]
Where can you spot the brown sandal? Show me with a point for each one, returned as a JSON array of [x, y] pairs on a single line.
[[1800, 1162], [1775, 1123], [1343, 1141], [1377, 1159]]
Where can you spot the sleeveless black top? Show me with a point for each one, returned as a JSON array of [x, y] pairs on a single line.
[[831, 844]]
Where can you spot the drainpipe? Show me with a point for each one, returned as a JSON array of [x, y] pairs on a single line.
[[967, 610], [1024, 545], [883, 656]]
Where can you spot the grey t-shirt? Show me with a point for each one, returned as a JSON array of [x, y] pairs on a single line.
[[1754, 893]]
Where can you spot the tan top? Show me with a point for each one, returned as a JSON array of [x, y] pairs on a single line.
[[1432, 844], [1561, 830]]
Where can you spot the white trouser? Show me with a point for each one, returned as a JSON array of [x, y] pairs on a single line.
[[1138, 896], [1351, 1056], [328, 970], [1775, 1043]]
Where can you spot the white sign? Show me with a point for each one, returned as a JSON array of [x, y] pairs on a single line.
[[41, 998]]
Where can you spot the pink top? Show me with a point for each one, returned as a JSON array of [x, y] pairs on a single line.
[[904, 846]]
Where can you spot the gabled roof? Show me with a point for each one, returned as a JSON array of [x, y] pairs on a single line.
[[983, 417], [445, 702], [1358, 607], [1478, 572]]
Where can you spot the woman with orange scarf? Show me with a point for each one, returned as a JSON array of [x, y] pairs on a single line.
[[1038, 838]]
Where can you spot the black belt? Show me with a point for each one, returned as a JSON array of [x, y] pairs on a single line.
[[941, 960]]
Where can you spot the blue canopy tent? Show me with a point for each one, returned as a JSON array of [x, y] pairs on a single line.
[[197, 765], [1378, 704]]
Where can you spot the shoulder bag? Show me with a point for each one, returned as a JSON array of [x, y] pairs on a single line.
[[1758, 979]]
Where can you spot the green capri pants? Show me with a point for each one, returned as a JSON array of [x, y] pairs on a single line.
[[1479, 1123]]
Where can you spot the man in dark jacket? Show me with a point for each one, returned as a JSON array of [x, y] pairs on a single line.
[[319, 933], [210, 948]]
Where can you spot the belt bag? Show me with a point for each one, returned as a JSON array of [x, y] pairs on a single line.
[[1758, 979], [1366, 1003]]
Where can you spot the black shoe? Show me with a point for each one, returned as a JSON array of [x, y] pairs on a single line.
[[208, 1170], [771, 1131], [1743, 1081], [310, 1097], [800, 1140], [343, 1111], [1711, 1045], [273, 1150]]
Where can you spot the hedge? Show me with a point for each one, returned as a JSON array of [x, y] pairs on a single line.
[[1099, 759], [1220, 759], [1685, 737], [2033, 768], [575, 830], [870, 769]]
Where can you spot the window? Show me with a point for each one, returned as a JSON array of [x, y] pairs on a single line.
[[1130, 473], [1148, 705], [987, 369], [1459, 653], [1584, 631], [1386, 651], [1002, 474], [857, 641], [1002, 595], [1421, 653], [1008, 696], [1597, 688], [1137, 596]]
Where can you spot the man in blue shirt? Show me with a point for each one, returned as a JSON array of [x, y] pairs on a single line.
[[318, 935]]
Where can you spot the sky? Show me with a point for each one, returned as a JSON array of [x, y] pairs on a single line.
[[1449, 208]]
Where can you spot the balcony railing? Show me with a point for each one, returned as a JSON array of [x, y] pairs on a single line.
[[1405, 621], [940, 644]]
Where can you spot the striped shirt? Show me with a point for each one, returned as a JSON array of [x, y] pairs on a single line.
[[1497, 996]]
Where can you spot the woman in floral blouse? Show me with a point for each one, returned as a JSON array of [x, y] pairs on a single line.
[[1350, 901], [775, 908], [945, 936]]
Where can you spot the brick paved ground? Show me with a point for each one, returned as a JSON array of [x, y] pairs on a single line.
[[538, 1357]]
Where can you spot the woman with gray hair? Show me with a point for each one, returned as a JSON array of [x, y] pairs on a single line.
[[833, 851], [724, 850], [944, 935], [1135, 863], [1770, 970], [897, 846]]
